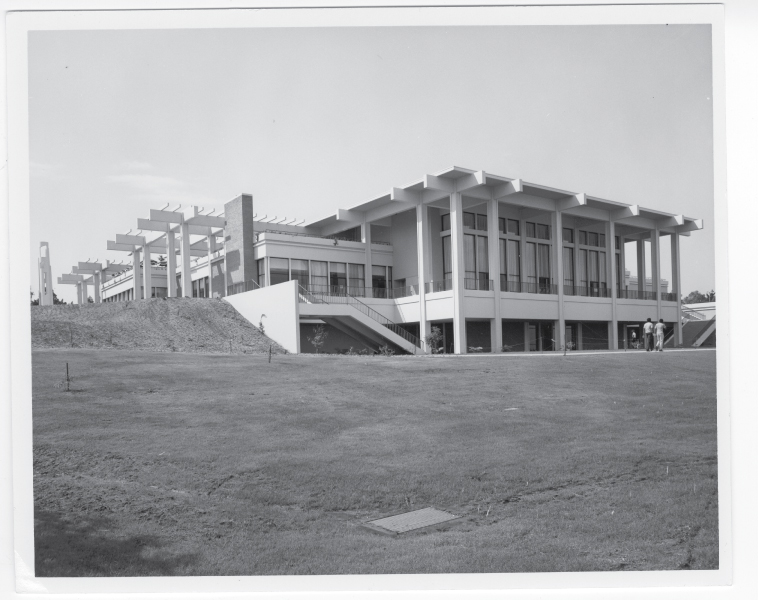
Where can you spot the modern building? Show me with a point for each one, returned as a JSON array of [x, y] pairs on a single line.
[[496, 264]]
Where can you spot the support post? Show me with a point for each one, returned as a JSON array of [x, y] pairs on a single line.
[[557, 245], [526, 336], [493, 249], [185, 257], [676, 284], [655, 255], [171, 265], [622, 262], [211, 250], [147, 272], [366, 239], [641, 275], [422, 253], [136, 275], [579, 341], [610, 269], [97, 282], [456, 246]]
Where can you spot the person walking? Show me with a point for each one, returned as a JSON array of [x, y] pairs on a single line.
[[647, 331], [659, 329]]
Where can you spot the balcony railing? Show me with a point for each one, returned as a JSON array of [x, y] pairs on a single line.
[[589, 291], [636, 295], [243, 286], [444, 285], [481, 284], [363, 292], [668, 296], [539, 288]]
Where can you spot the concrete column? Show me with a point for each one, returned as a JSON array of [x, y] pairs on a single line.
[[96, 280], [147, 272], [184, 238], [522, 251], [136, 275], [641, 275], [423, 255], [622, 262], [557, 244], [611, 275], [676, 284], [211, 250], [579, 342], [366, 239], [493, 248], [456, 247], [171, 265], [576, 258], [79, 293], [655, 254], [526, 336]]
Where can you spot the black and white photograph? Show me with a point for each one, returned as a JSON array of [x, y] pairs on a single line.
[[369, 292]]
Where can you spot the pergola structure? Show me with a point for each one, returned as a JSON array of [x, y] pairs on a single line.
[[185, 224]]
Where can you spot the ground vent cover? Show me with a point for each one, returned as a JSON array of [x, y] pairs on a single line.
[[416, 519]]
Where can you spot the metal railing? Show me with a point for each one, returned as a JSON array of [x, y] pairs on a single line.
[[484, 285], [445, 285], [319, 298], [668, 296], [243, 286], [589, 291], [539, 288], [363, 292], [321, 237], [636, 295]]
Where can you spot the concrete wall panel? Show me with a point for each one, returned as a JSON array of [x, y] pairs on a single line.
[[528, 306], [577, 308]]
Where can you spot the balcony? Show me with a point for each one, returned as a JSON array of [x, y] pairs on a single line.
[[445, 285], [481, 284], [593, 291], [636, 295]]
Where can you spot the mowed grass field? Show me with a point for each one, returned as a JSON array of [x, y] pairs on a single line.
[[187, 464]]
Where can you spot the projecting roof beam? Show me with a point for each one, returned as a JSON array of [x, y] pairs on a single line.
[[571, 202], [91, 265], [120, 247], [84, 271], [166, 216], [506, 189], [625, 213], [433, 182], [401, 195], [588, 212], [135, 240], [693, 225], [150, 225], [350, 216]]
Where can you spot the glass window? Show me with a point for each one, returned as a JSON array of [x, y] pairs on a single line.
[[583, 238], [568, 266], [618, 243], [319, 276], [531, 230], [262, 272], [356, 279], [592, 239], [501, 225], [582, 274], [389, 276], [601, 240], [447, 259], [469, 256], [379, 281], [446, 222], [279, 270], [514, 261], [482, 261], [543, 264], [481, 222], [568, 235], [601, 264], [543, 232], [469, 220], [531, 264], [300, 271], [513, 226], [337, 277], [503, 258]]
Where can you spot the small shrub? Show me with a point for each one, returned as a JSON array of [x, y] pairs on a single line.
[[434, 340], [320, 334], [385, 350]]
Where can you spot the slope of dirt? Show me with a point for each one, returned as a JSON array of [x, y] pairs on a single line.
[[159, 325]]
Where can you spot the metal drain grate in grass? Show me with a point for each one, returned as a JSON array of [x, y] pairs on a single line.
[[417, 519]]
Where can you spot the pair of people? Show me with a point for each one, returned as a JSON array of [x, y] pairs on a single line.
[[649, 331]]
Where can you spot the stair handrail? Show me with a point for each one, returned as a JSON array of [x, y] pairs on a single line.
[[368, 311]]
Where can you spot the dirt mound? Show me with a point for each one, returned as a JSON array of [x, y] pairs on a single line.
[[159, 325]]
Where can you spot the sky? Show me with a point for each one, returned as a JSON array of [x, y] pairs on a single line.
[[309, 120]]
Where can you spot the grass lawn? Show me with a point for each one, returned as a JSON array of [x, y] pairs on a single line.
[[186, 464]]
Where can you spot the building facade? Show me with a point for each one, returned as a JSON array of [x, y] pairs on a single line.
[[493, 263]]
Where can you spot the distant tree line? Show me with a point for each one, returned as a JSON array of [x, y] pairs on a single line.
[[698, 298], [56, 300]]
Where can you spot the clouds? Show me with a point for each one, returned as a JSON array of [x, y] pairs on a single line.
[[142, 181]]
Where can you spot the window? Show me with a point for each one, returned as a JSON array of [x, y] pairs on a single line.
[[543, 232], [618, 272], [469, 220], [531, 265], [446, 222], [319, 276], [379, 281], [481, 222], [582, 274], [531, 230], [592, 239], [582, 238], [447, 259], [279, 270], [262, 272], [389, 276], [356, 279], [501, 225], [469, 256], [514, 261], [568, 266], [618, 243], [300, 272], [513, 226], [509, 266], [543, 267], [482, 262], [601, 240], [337, 277], [568, 235]]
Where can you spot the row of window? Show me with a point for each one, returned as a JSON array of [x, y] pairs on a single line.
[[505, 226], [318, 275]]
